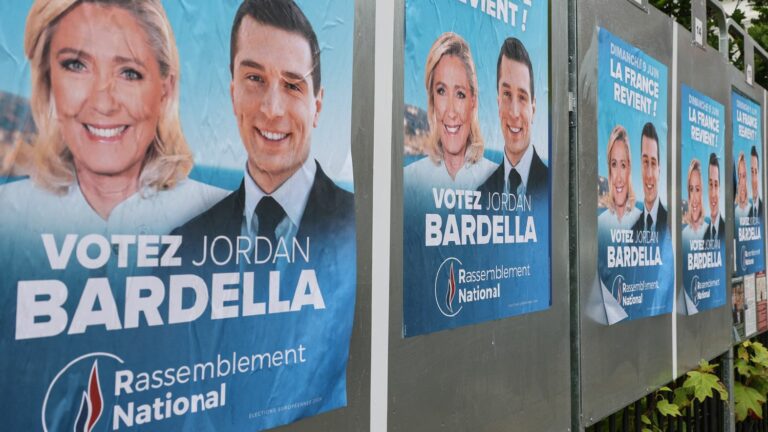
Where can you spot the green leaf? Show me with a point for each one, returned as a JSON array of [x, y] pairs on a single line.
[[702, 384], [747, 400], [744, 368], [682, 397], [722, 390], [644, 418], [668, 409], [742, 352], [704, 366], [664, 389], [760, 384], [760, 356]]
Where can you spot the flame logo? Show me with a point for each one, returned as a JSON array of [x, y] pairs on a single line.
[[451, 292], [92, 404], [446, 290]]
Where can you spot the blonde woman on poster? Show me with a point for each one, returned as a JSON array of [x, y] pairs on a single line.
[[454, 145], [110, 155], [697, 226], [741, 206], [620, 199]]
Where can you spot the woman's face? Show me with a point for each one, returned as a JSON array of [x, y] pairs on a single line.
[[619, 173], [107, 89], [694, 196], [741, 185], [454, 104]]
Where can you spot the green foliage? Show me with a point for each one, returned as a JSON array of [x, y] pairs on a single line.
[[699, 384], [751, 387], [702, 384], [750, 390], [667, 408], [748, 401], [758, 30]]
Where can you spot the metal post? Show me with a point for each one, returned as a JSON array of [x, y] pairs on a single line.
[[729, 421], [573, 211]]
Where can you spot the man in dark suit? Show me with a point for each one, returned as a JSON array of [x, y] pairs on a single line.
[[522, 171], [716, 228], [277, 256], [286, 196], [757, 202], [654, 217]]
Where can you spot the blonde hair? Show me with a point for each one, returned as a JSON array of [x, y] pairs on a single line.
[[741, 160], [451, 44], [168, 159], [619, 134], [694, 166]]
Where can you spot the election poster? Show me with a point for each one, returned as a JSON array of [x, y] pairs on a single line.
[[178, 214], [635, 257], [748, 218], [750, 305], [761, 292], [476, 168], [702, 203], [738, 306]]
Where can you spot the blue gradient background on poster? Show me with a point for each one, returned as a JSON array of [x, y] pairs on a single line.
[[610, 113], [695, 104], [749, 254], [424, 285]]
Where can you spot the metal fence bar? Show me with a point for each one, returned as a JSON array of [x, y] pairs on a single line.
[[625, 419]]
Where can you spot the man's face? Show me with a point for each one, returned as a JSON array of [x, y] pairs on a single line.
[[755, 177], [714, 191], [516, 107], [649, 150], [274, 101]]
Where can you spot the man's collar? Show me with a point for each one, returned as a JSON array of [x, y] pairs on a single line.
[[292, 195], [654, 210], [523, 166]]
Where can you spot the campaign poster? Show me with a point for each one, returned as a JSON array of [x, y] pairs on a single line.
[[738, 307], [476, 167], [635, 257], [178, 214], [748, 218], [762, 302], [750, 305], [702, 201]]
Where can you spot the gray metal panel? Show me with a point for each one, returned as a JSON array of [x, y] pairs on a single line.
[[510, 374], [356, 416], [707, 334], [623, 362]]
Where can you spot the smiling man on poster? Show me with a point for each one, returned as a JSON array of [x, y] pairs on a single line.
[[278, 253], [654, 217], [277, 99], [717, 225], [522, 171], [754, 168]]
